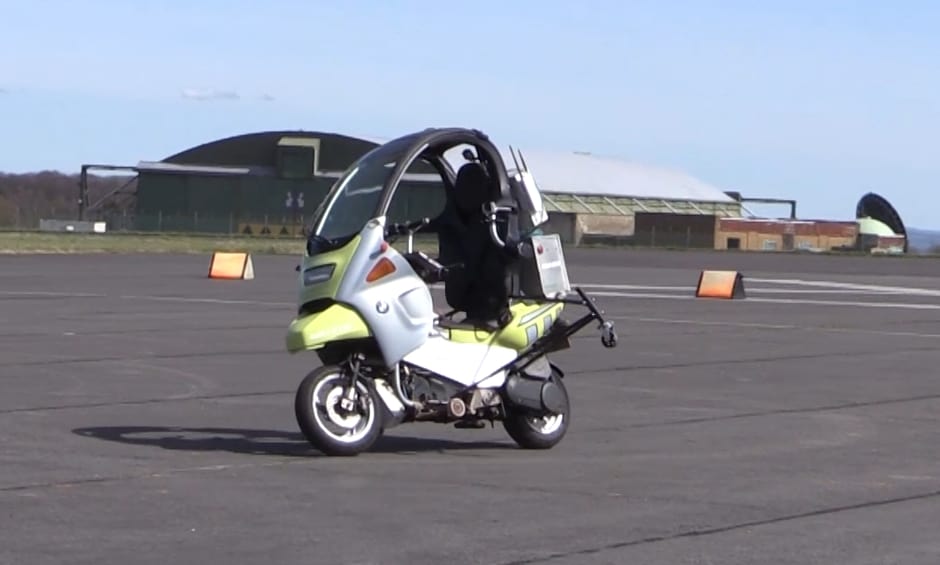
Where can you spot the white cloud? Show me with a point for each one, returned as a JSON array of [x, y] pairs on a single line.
[[209, 94]]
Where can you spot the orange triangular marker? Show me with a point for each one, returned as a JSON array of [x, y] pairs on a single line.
[[720, 284], [232, 266]]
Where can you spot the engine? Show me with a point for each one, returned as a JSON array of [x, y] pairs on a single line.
[[427, 390], [442, 401]]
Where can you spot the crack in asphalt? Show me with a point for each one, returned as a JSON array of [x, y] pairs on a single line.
[[722, 529], [753, 360], [583, 552], [775, 412], [143, 331], [145, 401], [629, 368], [139, 476], [645, 425], [111, 359], [342, 472]]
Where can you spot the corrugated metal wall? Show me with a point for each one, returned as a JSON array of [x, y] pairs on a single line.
[[186, 202], [189, 202]]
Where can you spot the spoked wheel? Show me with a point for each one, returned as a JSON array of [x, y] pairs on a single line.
[[539, 431], [324, 421]]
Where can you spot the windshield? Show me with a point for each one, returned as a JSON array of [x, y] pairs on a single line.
[[355, 197]]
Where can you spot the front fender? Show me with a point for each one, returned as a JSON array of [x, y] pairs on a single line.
[[337, 323]]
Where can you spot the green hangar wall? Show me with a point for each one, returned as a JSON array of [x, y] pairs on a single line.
[[255, 183], [267, 181]]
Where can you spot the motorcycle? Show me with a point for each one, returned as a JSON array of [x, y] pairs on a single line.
[[366, 309]]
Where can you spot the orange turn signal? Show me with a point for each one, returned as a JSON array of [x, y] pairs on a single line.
[[381, 269]]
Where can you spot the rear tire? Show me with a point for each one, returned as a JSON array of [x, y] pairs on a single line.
[[324, 425], [531, 430]]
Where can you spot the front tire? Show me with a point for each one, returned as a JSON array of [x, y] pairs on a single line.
[[323, 422], [532, 430]]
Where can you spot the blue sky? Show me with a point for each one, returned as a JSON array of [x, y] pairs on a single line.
[[815, 100]]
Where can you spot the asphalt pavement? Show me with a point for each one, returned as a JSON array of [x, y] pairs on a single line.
[[146, 416]]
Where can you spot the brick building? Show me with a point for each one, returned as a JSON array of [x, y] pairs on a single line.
[[762, 234]]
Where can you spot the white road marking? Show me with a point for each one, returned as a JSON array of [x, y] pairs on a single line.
[[757, 325], [691, 322], [847, 303], [633, 287], [849, 286], [59, 294], [638, 295], [617, 291], [794, 301], [748, 289], [206, 300], [751, 290]]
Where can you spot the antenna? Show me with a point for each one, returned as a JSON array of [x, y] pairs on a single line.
[[525, 166], [516, 161]]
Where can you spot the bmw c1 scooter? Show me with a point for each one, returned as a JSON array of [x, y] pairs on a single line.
[[367, 311]]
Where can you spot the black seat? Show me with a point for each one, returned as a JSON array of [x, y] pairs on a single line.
[[480, 287]]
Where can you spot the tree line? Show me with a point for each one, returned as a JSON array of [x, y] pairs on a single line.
[[26, 198]]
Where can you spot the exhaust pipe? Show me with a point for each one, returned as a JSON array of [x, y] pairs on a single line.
[[535, 393]]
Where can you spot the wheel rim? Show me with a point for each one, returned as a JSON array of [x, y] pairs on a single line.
[[344, 428], [548, 424]]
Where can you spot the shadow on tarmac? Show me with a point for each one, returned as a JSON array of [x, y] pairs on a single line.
[[262, 442]]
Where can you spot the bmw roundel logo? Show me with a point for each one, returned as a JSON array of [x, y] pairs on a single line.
[[381, 307]]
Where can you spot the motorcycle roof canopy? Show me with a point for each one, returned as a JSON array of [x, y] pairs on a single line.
[[366, 189]]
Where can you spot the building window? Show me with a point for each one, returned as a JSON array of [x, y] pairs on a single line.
[[770, 245], [734, 243]]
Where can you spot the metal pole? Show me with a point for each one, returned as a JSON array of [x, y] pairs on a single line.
[[82, 193]]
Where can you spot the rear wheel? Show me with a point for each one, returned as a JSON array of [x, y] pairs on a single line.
[[326, 424], [532, 430]]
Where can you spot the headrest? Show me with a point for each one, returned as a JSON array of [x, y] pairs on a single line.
[[472, 188]]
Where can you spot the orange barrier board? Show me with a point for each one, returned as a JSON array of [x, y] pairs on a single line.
[[232, 266], [720, 284]]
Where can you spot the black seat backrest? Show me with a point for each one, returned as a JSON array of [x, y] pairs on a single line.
[[481, 287], [471, 189]]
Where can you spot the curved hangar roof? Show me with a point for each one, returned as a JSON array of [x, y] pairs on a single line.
[[587, 174], [574, 173], [258, 149]]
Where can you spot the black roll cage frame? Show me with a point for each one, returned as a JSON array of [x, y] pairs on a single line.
[[559, 334]]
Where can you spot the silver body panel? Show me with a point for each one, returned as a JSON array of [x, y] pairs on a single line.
[[398, 308]]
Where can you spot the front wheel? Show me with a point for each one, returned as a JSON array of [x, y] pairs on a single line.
[[532, 430], [324, 422]]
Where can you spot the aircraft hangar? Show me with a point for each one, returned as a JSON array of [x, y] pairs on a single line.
[[269, 183]]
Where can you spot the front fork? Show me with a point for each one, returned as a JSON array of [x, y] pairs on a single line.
[[348, 402], [352, 399]]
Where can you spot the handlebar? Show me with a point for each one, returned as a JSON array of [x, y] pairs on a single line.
[[494, 234], [407, 228], [490, 209]]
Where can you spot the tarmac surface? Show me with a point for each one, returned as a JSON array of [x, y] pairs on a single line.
[[146, 416]]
